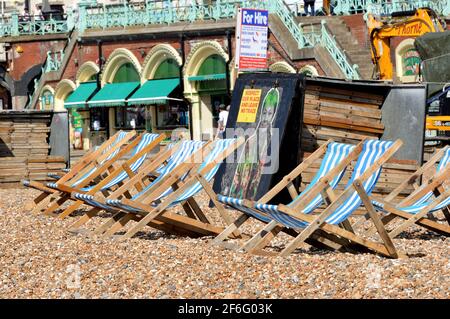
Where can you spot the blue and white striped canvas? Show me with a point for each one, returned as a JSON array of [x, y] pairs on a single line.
[[428, 198], [372, 150], [186, 149], [219, 146], [119, 138], [145, 141], [336, 152]]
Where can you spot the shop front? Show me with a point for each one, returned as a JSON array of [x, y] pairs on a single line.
[[166, 112], [79, 115], [109, 111], [211, 87]]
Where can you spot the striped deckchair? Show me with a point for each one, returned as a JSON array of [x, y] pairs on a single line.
[[427, 199], [332, 227], [84, 169], [336, 157], [105, 153], [152, 205], [179, 153], [139, 149]]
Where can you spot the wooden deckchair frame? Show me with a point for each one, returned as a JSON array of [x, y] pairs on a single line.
[[287, 183], [317, 223], [136, 182], [434, 184], [83, 165], [150, 214], [110, 168], [106, 167]]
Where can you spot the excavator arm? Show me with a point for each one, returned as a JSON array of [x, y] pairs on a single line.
[[404, 24]]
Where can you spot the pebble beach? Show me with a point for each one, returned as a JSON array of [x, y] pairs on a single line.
[[41, 259]]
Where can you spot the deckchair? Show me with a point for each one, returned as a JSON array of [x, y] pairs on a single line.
[[85, 167], [175, 154], [419, 206], [105, 151], [115, 175], [336, 158], [174, 190], [331, 227]]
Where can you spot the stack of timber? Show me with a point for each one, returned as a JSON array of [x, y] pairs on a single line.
[[343, 115], [348, 117], [24, 151], [39, 167]]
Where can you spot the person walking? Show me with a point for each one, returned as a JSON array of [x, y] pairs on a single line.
[[222, 123], [309, 4]]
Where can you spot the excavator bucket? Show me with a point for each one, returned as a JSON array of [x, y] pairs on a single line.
[[434, 50]]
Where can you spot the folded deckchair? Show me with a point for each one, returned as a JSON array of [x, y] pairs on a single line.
[[84, 168], [175, 154], [115, 173], [100, 154], [331, 227], [427, 199], [174, 189], [336, 158]]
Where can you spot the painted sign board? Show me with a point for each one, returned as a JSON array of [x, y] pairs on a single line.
[[251, 39], [249, 106]]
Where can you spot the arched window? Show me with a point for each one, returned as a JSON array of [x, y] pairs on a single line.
[[410, 62], [214, 64], [407, 61], [47, 100], [309, 70], [126, 73], [167, 69]]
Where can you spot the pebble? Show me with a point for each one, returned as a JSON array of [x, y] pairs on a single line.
[[40, 259]]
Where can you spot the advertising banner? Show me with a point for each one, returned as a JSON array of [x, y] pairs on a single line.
[[251, 39]]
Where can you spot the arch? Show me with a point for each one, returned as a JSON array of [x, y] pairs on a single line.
[[407, 61], [309, 70], [157, 55], [115, 60], [47, 88], [197, 56], [62, 91], [86, 71], [281, 67]]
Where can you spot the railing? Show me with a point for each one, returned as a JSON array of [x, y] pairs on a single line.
[[158, 12], [286, 16], [386, 7], [17, 25]]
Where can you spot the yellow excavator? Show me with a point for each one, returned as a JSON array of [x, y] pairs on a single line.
[[399, 24]]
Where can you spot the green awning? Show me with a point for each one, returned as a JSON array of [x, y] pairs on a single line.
[[208, 77], [155, 92], [81, 94], [113, 94]]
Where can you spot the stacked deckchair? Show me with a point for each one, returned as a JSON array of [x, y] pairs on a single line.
[[331, 227], [183, 178], [105, 178]]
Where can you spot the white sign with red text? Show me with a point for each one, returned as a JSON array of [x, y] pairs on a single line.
[[251, 39]]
